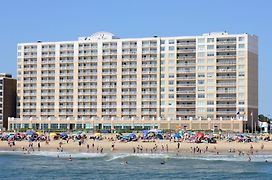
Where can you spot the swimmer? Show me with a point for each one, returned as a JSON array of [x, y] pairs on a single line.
[[70, 158]]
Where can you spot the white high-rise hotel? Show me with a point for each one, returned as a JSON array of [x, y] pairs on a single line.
[[193, 82]]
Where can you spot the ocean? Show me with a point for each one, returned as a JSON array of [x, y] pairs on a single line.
[[46, 165]]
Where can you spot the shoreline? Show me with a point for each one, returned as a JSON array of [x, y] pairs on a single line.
[[158, 147]]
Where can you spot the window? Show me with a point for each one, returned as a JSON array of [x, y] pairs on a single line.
[[211, 61], [201, 95], [171, 55], [171, 41], [210, 109], [162, 48], [201, 67], [210, 95], [201, 54], [171, 82], [162, 62], [201, 61], [162, 76], [210, 103], [210, 68], [201, 40], [19, 47], [162, 69], [201, 89], [162, 56], [209, 75], [210, 47], [171, 69], [241, 38], [171, 96], [241, 103], [201, 82], [241, 46], [241, 74], [210, 54], [201, 47], [162, 89], [241, 67], [210, 40], [171, 62], [19, 53], [171, 48], [171, 89], [171, 75], [201, 75], [162, 82], [162, 41]]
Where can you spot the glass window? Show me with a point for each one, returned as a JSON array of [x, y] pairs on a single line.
[[241, 38], [162, 56], [201, 40], [201, 95], [201, 82], [241, 46], [241, 74], [210, 67], [171, 61], [162, 89], [171, 75], [201, 89], [210, 102], [171, 96], [162, 48], [171, 89], [211, 60], [171, 82], [171, 55], [210, 47], [210, 54], [201, 67], [201, 54], [172, 41], [171, 48], [200, 61], [201, 75], [162, 62], [201, 47], [162, 41], [210, 40]]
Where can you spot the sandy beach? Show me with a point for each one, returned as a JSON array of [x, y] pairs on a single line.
[[159, 146]]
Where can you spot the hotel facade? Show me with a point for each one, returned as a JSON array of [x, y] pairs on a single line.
[[104, 82], [8, 95]]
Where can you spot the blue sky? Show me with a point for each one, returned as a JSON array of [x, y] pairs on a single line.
[[55, 20]]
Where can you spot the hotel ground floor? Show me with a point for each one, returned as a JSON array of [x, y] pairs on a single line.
[[73, 124]]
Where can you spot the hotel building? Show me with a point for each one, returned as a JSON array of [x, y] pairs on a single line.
[[101, 81], [8, 95]]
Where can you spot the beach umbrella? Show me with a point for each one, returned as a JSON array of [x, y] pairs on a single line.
[[30, 133], [97, 134], [53, 134], [199, 135], [63, 134], [177, 136]]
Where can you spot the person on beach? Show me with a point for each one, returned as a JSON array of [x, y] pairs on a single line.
[[262, 146], [39, 146], [112, 147], [70, 157], [178, 145]]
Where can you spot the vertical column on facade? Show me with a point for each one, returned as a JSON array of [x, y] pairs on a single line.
[[99, 79], [158, 111], [119, 80], [75, 84], [39, 80], [139, 80], [57, 80]]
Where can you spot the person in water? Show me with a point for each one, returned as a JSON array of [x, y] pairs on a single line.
[[70, 158]]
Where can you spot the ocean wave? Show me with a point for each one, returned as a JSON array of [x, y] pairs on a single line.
[[118, 156]]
